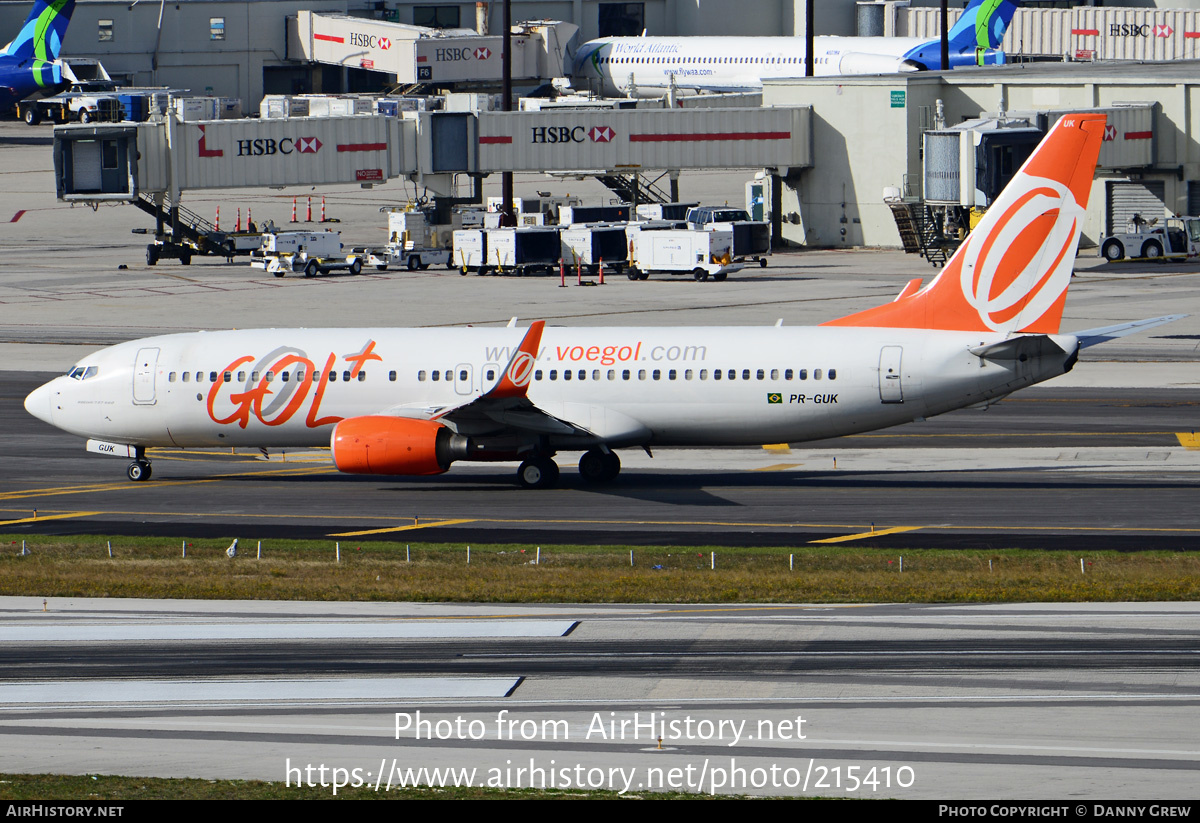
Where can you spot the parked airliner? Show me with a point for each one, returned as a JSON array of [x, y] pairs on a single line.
[[412, 401], [30, 62], [646, 66]]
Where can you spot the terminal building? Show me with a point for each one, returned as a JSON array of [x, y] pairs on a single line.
[[860, 142]]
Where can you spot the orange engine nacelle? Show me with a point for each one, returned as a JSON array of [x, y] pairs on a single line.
[[392, 445]]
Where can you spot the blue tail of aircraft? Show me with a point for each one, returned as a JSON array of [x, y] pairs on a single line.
[[975, 39], [30, 61]]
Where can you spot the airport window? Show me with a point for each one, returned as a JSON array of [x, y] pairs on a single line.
[[109, 155], [300, 375], [774, 374], [436, 17], [537, 375], [270, 377], [595, 374], [254, 376], [241, 377], [612, 374], [761, 374], [566, 374], [625, 374], [491, 374], [745, 374], [212, 377], [803, 374], [216, 28], [621, 19], [346, 376], [733, 374], [687, 374], [658, 374], [704, 374], [671, 374], [421, 376], [362, 375], [641, 374], [435, 376], [833, 374], [187, 376], [227, 377], [106, 31], [333, 376], [200, 377], [554, 374], [716, 374], [787, 374], [171, 377], [816, 374], [284, 376], [462, 374]]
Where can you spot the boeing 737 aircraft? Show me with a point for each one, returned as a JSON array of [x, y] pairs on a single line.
[[412, 401], [30, 62], [645, 66]]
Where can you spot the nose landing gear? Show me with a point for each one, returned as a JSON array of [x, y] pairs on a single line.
[[138, 470]]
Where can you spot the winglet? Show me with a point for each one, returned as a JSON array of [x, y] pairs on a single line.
[[514, 381]]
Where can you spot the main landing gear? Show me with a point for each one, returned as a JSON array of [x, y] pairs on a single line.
[[596, 466], [599, 466]]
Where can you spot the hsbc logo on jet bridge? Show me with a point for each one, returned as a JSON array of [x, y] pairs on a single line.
[[266, 146], [456, 55], [568, 134], [369, 41]]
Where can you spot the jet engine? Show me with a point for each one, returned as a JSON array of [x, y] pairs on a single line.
[[860, 63], [394, 445]]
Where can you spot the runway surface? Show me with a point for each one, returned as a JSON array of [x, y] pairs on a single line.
[[1061, 469], [1014, 701]]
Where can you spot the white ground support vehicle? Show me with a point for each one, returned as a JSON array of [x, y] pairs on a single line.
[[703, 254], [412, 243], [751, 238], [1175, 238], [311, 252]]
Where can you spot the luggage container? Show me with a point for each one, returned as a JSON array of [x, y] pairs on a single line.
[[470, 250], [751, 238], [523, 250], [570, 215], [664, 211], [701, 253], [592, 245]]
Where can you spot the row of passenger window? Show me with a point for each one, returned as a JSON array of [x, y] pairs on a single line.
[[298, 376], [642, 374]]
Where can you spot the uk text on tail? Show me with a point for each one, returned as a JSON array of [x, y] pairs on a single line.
[[1012, 272]]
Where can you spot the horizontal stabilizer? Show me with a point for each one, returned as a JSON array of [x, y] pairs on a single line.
[[1090, 337]]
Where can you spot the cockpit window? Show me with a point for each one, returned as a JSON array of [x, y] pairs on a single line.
[[83, 372]]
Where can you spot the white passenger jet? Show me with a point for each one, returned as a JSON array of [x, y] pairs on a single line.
[[647, 66], [412, 401]]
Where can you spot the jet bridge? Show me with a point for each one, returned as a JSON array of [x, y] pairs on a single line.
[[122, 161]]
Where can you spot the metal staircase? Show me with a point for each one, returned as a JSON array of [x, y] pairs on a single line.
[[633, 188]]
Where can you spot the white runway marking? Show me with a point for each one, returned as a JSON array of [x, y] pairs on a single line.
[[397, 630], [252, 691]]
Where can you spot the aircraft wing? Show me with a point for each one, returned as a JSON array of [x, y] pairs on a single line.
[[1090, 337], [506, 404]]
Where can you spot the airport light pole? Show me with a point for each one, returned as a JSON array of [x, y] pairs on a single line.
[[945, 20], [809, 42], [506, 178]]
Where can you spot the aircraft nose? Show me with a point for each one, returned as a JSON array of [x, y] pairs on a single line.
[[38, 403]]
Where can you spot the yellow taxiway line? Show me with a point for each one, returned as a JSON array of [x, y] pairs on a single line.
[[864, 535], [47, 517], [409, 527], [1188, 440]]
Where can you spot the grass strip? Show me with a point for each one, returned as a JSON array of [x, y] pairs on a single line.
[[80, 566]]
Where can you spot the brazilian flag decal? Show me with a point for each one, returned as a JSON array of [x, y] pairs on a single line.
[[774, 397]]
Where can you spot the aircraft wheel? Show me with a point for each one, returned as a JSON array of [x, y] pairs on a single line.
[[311, 268], [538, 472], [138, 470], [1113, 251], [699, 274], [596, 466], [356, 266]]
